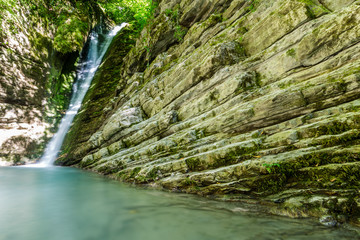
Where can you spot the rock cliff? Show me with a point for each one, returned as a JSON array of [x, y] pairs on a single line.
[[37, 71], [254, 101]]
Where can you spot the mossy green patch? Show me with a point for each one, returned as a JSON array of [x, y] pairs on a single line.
[[187, 182], [174, 16], [313, 10], [332, 128], [291, 52], [253, 4], [192, 163], [71, 34], [152, 174], [134, 172]]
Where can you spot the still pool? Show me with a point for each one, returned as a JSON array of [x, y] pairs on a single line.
[[68, 204]]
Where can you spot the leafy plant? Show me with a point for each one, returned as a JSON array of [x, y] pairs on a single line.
[[179, 33], [270, 167], [174, 17], [135, 12]]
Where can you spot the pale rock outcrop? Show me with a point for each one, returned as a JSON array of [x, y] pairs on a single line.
[[258, 102]]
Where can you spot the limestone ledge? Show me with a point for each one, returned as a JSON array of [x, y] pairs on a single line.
[[258, 102]]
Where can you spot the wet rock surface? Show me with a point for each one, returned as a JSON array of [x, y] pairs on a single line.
[[328, 221], [35, 79], [257, 102]]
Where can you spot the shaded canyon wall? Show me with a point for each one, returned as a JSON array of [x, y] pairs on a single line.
[[36, 72]]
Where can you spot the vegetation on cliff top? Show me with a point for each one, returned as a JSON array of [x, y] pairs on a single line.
[[71, 20], [135, 12]]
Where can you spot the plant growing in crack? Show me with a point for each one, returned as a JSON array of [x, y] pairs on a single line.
[[174, 17], [271, 167]]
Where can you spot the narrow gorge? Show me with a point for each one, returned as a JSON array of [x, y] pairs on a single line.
[[38, 52], [248, 101]]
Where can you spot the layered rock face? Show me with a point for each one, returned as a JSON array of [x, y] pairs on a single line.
[[252, 101], [35, 78]]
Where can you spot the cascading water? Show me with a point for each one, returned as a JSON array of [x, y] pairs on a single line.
[[87, 71]]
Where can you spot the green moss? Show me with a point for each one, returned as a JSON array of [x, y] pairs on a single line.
[[253, 4], [322, 169], [158, 71], [344, 140], [134, 172], [341, 85], [173, 150], [153, 174], [160, 148], [310, 13], [214, 95], [70, 35], [188, 182], [242, 30], [141, 179], [193, 163], [214, 19], [315, 159], [343, 176], [174, 15], [332, 128], [240, 50], [313, 10], [291, 52], [271, 167], [111, 168], [180, 32], [270, 183], [232, 156]]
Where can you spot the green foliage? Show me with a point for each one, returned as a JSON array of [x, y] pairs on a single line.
[[68, 18], [173, 14], [174, 17], [253, 4], [70, 35], [135, 12], [271, 167], [179, 33], [71, 18]]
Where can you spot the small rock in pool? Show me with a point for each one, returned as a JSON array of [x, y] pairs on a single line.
[[239, 209], [328, 221]]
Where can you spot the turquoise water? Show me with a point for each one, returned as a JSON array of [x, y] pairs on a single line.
[[69, 204]]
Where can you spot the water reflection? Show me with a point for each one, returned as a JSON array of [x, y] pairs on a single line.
[[62, 203]]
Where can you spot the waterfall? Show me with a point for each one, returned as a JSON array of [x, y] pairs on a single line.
[[85, 75]]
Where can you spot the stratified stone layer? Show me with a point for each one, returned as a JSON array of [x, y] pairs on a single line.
[[252, 101]]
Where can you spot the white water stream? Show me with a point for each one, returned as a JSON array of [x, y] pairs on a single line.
[[93, 59]]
